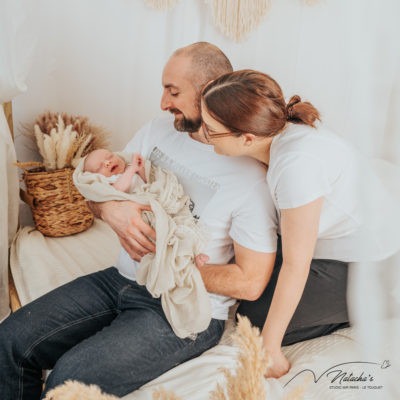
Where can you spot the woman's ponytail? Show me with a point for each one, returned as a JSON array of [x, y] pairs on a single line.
[[249, 101], [299, 112]]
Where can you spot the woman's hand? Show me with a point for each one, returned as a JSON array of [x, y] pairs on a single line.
[[125, 218], [201, 260], [279, 364]]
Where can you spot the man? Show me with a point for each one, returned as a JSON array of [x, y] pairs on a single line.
[[106, 329]]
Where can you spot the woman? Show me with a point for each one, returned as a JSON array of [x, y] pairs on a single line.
[[326, 219]]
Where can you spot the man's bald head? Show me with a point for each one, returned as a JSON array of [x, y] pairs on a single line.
[[208, 62]]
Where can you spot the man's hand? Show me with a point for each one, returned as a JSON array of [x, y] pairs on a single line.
[[125, 218], [279, 364]]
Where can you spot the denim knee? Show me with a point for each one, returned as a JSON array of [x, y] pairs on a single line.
[[69, 366], [12, 339]]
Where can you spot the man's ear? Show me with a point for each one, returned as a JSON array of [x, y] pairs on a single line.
[[248, 139]]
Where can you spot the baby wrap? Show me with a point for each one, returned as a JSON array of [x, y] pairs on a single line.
[[170, 272]]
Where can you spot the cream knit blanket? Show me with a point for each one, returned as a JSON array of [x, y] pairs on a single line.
[[170, 272]]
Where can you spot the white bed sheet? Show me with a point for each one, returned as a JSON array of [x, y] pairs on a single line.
[[39, 264]]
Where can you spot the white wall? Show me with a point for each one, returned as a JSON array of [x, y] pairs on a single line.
[[104, 58]]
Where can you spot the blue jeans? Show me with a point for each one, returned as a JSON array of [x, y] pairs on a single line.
[[102, 329]]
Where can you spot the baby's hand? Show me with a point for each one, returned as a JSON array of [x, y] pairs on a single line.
[[137, 161], [201, 259]]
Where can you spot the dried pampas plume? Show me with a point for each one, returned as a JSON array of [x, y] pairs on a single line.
[[73, 390], [298, 392], [162, 394], [100, 136], [248, 381], [62, 139]]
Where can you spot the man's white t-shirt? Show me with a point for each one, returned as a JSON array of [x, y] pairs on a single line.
[[358, 214], [229, 195]]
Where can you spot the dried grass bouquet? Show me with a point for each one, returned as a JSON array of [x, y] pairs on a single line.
[[62, 139]]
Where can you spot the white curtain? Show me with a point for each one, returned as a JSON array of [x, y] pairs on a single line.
[[104, 58], [8, 210], [15, 50]]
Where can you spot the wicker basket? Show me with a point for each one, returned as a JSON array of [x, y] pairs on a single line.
[[58, 208]]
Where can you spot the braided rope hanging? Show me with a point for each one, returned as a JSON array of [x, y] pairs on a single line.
[[236, 18], [162, 4]]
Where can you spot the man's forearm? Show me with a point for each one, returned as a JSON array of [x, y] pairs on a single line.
[[230, 280]]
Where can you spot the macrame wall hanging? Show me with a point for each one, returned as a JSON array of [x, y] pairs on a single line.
[[162, 4], [235, 18]]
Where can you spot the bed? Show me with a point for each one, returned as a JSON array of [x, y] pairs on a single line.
[[40, 263]]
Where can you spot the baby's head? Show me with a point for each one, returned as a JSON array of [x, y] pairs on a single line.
[[104, 162]]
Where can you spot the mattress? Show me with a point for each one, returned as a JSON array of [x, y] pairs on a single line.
[[329, 367]]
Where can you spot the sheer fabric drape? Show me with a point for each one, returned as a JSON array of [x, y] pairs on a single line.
[[9, 208], [16, 47]]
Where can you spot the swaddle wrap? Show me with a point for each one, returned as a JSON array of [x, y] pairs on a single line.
[[170, 272]]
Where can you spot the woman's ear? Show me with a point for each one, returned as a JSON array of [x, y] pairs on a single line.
[[248, 139]]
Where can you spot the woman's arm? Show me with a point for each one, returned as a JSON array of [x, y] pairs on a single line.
[[299, 229]]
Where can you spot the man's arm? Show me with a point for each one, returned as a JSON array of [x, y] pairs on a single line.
[[246, 279], [125, 218]]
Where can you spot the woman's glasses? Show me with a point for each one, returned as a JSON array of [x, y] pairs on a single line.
[[209, 137]]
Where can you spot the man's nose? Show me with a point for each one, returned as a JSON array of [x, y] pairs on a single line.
[[165, 102]]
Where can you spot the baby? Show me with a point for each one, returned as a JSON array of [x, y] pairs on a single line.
[[104, 162], [121, 174]]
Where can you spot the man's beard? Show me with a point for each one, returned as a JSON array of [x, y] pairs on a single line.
[[185, 124]]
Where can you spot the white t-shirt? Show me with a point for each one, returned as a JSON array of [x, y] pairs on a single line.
[[357, 217], [229, 195]]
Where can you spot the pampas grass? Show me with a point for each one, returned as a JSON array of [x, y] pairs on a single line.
[[162, 394], [297, 393], [62, 139], [247, 383], [74, 390]]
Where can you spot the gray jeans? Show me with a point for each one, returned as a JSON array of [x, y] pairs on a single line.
[[322, 308]]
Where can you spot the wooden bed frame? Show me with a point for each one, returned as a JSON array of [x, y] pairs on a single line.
[[15, 303]]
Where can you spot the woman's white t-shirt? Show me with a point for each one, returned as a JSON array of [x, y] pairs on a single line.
[[358, 214]]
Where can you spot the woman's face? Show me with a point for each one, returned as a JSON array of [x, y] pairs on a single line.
[[216, 134]]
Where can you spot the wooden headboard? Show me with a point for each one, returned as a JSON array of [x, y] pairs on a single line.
[[8, 113], [14, 299]]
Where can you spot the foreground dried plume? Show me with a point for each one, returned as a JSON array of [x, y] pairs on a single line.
[[162, 394], [247, 383], [74, 390]]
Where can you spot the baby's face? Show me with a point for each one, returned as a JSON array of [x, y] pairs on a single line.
[[104, 162]]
